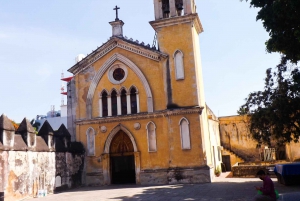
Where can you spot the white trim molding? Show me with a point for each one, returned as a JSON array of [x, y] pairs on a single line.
[[111, 71], [103, 69], [153, 140], [110, 45], [90, 142], [112, 134], [185, 134], [178, 64]]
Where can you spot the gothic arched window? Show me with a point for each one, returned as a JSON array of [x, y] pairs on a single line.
[[123, 102], [179, 7], [179, 68], [165, 8], [104, 104], [185, 134], [90, 141], [133, 100], [114, 103], [151, 136]]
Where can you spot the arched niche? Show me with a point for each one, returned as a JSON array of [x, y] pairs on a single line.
[[185, 133], [112, 135]]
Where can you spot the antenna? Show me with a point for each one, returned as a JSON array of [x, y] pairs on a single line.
[[52, 110], [62, 89]]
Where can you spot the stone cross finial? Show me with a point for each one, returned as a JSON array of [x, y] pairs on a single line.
[[116, 9]]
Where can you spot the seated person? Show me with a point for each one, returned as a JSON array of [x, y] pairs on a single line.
[[268, 191]]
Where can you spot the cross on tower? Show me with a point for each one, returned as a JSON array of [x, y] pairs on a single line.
[[116, 9]]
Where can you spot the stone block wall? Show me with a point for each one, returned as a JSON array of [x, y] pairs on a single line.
[[30, 161], [176, 176]]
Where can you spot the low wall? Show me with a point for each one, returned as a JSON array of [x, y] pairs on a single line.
[[251, 168]]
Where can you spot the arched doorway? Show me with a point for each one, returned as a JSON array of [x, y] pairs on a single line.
[[122, 162]]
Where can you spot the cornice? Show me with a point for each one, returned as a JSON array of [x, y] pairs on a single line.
[[191, 18], [139, 116], [113, 43]]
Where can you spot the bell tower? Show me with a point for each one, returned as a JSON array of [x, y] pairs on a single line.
[[178, 27], [173, 8]]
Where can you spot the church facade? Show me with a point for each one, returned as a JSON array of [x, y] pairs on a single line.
[[140, 111]]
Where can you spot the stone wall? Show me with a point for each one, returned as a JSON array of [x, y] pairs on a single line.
[[30, 162], [236, 137], [292, 151], [250, 169]]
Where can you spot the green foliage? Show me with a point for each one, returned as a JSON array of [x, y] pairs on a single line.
[[281, 19], [76, 148], [218, 170], [35, 125], [275, 111]]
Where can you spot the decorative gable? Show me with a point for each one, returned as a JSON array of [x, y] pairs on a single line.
[[120, 42]]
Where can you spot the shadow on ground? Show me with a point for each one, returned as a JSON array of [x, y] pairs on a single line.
[[219, 191]]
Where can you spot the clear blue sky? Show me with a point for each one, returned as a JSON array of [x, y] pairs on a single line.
[[40, 39]]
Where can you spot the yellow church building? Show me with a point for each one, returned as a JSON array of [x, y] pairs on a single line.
[[140, 111]]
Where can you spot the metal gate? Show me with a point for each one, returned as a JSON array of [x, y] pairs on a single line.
[[269, 154]]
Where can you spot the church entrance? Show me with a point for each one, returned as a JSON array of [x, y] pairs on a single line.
[[122, 164]]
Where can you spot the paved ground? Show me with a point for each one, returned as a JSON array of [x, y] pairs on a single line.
[[223, 189]]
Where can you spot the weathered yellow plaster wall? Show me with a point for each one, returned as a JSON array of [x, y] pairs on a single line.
[[172, 38], [151, 69], [236, 137], [292, 151], [169, 152]]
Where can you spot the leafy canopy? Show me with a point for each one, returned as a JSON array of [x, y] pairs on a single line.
[[281, 19], [275, 111]]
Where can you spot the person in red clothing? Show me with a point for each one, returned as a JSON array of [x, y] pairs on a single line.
[[268, 191]]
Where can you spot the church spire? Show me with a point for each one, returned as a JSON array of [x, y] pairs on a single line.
[[117, 25]]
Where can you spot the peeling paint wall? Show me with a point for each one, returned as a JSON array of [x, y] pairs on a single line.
[[24, 173], [71, 108], [236, 137], [292, 151]]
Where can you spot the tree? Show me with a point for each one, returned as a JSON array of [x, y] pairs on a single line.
[[16, 125], [281, 19], [35, 125], [275, 111]]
